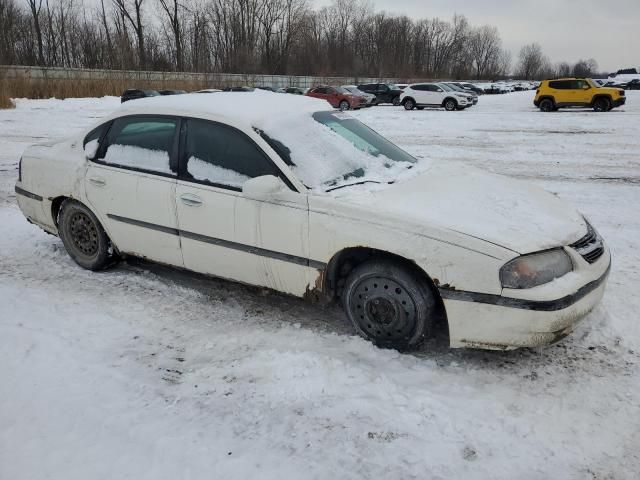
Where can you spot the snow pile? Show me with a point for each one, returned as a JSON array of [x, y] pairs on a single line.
[[201, 170], [131, 156]]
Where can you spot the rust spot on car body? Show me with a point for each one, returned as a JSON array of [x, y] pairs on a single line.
[[317, 293]]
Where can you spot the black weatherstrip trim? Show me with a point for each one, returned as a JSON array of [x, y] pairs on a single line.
[[139, 223], [24, 193], [263, 252], [538, 305]]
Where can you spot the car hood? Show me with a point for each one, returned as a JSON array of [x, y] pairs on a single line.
[[507, 212]]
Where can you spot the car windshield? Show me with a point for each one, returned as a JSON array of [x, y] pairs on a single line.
[[351, 89], [332, 149]]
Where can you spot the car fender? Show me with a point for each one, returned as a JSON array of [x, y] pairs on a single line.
[[448, 257], [49, 171]]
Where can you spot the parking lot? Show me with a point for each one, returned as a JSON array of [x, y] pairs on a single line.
[[162, 374]]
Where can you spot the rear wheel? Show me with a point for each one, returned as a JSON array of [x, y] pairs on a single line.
[[601, 105], [388, 304], [83, 237], [450, 105], [546, 105], [409, 104], [344, 105], [396, 101]]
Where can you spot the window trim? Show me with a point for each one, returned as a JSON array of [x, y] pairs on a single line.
[[182, 160], [104, 145]]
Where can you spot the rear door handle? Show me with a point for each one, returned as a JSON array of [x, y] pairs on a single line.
[[191, 200], [97, 181]]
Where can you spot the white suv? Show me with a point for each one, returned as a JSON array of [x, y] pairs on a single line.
[[420, 95]]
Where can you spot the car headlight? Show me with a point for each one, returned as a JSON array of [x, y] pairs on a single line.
[[535, 269]]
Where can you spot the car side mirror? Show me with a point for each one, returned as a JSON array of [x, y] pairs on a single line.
[[91, 149], [263, 186]]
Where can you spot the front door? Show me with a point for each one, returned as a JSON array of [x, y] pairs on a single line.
[[228, 234], [131, 186]]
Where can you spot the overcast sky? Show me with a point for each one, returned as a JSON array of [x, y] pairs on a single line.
[[608, 31]]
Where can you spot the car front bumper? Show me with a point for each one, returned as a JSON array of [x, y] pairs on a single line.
[[619, 102], [525, 318]]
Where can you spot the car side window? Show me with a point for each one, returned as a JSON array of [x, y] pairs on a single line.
[[219, 155], [561, 84], [142, 143]]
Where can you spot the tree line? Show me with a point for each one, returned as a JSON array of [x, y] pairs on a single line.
[[284, 37]]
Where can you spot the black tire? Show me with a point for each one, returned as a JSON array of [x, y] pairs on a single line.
[[547, 105], [601, 104], [344, 105], [420, 108], [450, 104], [409, 104], [83, 237], [389, 305], [396, 100]]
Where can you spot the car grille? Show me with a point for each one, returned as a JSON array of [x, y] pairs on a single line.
[[590, 247]]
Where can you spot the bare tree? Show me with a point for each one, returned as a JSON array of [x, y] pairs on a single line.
[[531, 61], [174, 10], [585, 68], [485, 48], [131, 10]]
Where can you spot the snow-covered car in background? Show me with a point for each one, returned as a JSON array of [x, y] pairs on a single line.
[[420, 95], [276, 191]]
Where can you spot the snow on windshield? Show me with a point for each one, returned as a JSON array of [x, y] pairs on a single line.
[[201, 170], [144, 158], [332, 149]]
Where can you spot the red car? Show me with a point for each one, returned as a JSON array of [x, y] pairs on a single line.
[[338, 97]]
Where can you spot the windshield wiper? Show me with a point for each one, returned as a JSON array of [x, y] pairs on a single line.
[[356, 183]]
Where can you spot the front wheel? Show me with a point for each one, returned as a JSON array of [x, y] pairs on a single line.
[[344, 105], [602, 105], [389, 304], [83, 237], [396, 101], [450, 105]]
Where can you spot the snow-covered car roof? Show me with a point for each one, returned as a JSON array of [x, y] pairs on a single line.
[[249, 108]]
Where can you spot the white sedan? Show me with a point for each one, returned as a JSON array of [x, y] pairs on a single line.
[[276, 191]]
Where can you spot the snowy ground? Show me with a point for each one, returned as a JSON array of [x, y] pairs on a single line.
[[142, 372]]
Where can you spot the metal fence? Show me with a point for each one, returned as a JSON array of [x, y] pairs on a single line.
[[211, 80]]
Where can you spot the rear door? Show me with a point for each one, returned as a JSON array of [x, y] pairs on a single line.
[[227, 233], [421, 94], [131, 186]]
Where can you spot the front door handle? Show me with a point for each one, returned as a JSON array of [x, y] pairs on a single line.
[[191, 200], [97, 181]]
